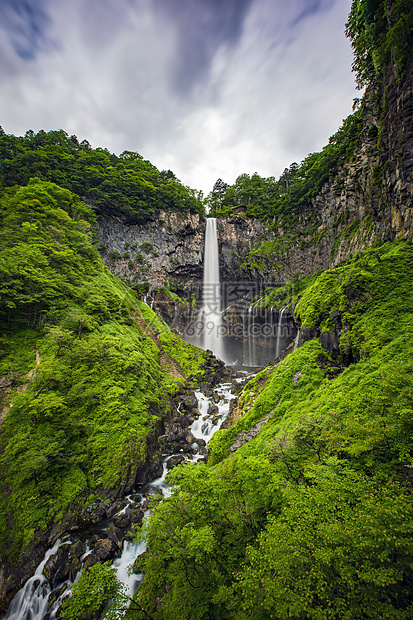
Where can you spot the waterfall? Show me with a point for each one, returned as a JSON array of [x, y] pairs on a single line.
[[279, 330], [32, 601], [251, 358], [210, 315]]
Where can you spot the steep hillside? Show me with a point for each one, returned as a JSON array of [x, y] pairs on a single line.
[[306, 511], [87, 374]]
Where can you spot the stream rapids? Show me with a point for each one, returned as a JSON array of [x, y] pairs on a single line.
[[41, 599]]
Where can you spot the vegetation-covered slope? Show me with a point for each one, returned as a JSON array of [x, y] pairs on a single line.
[[86, 369], [312, 518]]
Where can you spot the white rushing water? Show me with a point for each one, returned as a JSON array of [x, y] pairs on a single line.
[[32, 601], [204, 428], [279, 332], [130, 552], [207, 424], [210, 314]]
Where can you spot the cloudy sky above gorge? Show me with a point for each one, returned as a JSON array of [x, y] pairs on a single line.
[[206, 88]]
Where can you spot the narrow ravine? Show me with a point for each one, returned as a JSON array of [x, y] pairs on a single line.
[[41, 598]]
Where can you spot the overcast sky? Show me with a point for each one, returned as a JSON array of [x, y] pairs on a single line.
[[206, 88]]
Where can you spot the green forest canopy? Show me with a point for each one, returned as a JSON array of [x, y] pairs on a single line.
[[126, 184]]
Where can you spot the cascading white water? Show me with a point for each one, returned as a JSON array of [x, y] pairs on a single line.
[[32, 601], [279, 332], [250, 359], [130, 580], [210, 314]]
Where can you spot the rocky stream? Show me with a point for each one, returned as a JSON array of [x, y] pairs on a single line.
[[110, 531]]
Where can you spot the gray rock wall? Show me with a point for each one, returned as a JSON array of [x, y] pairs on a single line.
[[158, 252], [370, 197]]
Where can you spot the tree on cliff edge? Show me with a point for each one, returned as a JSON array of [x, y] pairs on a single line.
[[215, 198]]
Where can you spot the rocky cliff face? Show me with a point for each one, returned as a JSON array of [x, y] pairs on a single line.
[[368, 198], [166, 251], [396, 154], [375, 188]]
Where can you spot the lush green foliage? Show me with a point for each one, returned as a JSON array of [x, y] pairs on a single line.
[[287, 296], [342, 549], [88, 367], [90, 594], [125, 184], [269, 393], [380, 32], [45, 249], [197, 538], [319, 502]]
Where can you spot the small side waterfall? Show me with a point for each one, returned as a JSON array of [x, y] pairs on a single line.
[[250, 354], [279, 332], [266, 333], [210, 314], [32, 601]]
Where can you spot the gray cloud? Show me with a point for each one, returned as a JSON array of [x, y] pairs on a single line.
[[312, 7], [216, 90], [203, 26], [26, 23]]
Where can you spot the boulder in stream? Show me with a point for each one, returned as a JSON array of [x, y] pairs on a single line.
[[105, 549], [190, 438], [115, 534], [75, 566], [53, 596], [56, 562], [77, 549], [174, 460], [213, 410], [115, 507], [90, 560], [122, 522], [190, 402]]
